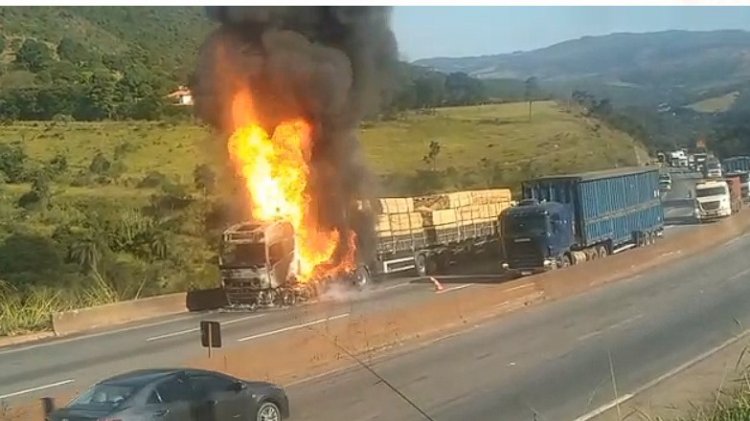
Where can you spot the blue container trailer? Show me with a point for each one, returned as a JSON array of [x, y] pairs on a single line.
[[736, 164], [569, 219]]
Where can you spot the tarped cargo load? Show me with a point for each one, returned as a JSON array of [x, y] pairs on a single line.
[[440, 217], [396, 205], [405, 223], [462, 199]]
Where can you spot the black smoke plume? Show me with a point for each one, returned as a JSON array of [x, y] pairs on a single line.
[[329, 65]]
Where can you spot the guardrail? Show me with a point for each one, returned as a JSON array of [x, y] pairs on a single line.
[[80, 320]]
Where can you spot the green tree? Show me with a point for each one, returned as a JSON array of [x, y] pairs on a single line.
[[71, 50], [204, 178], [99, 165], [531, 89], [39, 195], [431, 158], [64, 72], [12, 160], [34, 55], [462, 89], [430, 90], [98, 100], [29, 253], [58, 164], [149, 108]]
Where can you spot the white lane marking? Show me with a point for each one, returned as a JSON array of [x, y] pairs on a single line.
[[605, 408], [519, 287], [738, 275], [663, 377], [611, 327], [196, 329], [295, 327], [36, 389], [456, 288], [405, 284], [53, 341]]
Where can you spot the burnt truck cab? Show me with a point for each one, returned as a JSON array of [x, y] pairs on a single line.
[[258, 266], [536, 235], [256, 259]]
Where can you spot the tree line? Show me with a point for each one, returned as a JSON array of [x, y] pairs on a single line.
[[74, 83], [71, 82]]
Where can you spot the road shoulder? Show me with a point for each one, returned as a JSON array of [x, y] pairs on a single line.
[[698, 387]]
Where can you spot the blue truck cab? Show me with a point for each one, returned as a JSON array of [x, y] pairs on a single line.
[[569, 219]]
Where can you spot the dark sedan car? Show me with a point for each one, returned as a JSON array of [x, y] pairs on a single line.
[[177, 395]]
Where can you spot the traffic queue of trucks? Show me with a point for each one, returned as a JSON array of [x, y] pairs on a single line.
[[726, 186], [561, 221]]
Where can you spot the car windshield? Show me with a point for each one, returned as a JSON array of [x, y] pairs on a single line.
[[526, 225], [710, 191], [104, 395], [243, 254]]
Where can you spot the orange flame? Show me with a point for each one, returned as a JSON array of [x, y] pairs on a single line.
[[276, 170]]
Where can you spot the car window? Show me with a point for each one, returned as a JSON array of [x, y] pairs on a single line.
[[104, 395], [204, 384], [174, 390]]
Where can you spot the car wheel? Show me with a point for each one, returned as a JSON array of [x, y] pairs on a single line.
[[268, 411]]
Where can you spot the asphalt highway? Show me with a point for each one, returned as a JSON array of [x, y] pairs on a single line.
[[564, 360], [34, 370]]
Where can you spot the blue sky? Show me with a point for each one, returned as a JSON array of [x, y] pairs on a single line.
[[462, 31]]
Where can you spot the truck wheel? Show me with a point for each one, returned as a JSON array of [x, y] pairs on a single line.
[[362, 277], [564, 261], [426, 265], [592, 254], [601, 251], [421, 265]]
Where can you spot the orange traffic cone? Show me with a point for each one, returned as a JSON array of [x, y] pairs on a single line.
[[438, 285]]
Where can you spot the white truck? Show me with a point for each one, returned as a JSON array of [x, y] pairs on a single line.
[[713, 200], [713, 169]]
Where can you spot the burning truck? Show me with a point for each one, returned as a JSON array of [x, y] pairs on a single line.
[[260, 267], [287, 88]]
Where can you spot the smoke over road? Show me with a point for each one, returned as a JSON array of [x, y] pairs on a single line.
[[327, 65]]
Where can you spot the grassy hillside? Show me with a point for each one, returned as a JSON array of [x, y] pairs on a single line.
[[555, 140], [496, 143]]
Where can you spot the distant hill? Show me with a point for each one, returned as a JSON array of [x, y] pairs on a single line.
[[165, 38], [688, 66]]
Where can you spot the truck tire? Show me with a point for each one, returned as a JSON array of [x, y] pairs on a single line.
[[425, 265], [563, 262], [601, 251], [362, 277], [592, 254]]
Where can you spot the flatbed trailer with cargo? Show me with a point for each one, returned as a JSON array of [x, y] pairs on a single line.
[[427, 234]]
